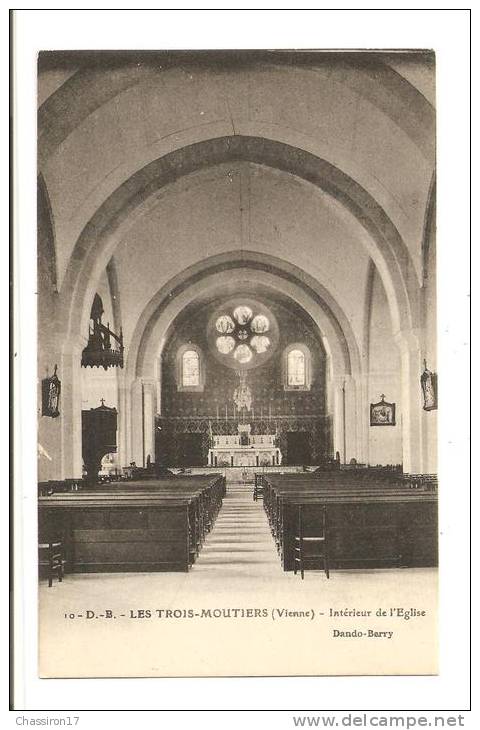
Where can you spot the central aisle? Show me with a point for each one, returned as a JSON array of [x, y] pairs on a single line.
[[240, 537]]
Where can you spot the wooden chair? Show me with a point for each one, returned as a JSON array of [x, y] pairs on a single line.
[[308, 548], [51, 557]]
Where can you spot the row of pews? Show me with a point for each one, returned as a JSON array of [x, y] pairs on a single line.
[[144, 525], [365, 518]]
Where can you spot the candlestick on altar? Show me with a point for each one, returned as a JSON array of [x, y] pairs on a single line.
[[217, 411], [253, 413], [269, 411], [226, 412]]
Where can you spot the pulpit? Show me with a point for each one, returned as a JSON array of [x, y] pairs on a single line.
[[99, 437]]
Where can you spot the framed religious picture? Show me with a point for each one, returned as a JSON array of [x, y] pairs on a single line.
[[51, 387], [428, 382], [382, 413]]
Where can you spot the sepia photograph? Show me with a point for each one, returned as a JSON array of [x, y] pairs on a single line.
[[236, 290]]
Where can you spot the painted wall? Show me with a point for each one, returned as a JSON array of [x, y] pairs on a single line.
[[266, 382]]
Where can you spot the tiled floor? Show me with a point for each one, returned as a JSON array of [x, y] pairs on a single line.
[[238, 570]]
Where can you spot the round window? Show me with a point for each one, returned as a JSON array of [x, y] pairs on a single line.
[[242, 333]]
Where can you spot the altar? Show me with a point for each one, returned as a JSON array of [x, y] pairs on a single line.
[[244, 449]]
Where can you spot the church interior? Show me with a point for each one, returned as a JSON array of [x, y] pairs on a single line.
[[236, 326]]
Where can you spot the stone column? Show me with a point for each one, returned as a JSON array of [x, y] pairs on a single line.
[[329, 410], [142, 420], [411, 364], [349, 425], [71, 410], [363, 418], [339, 434], [122, 449], [149, 411], [351, 417], [136, 423]]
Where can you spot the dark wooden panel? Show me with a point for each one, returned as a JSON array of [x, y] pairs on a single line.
[[127, 535], [128, 518], [90, 518], [166, 519], [127, 567], [137, 527], [133, 552]]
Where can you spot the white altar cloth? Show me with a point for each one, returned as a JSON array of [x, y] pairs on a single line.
[[251, 455]]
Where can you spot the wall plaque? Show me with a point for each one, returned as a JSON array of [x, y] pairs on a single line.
[[382, 413]]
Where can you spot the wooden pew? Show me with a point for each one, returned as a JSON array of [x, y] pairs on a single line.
[[376, 524], [332, 482], [286, 485], [143, 526]]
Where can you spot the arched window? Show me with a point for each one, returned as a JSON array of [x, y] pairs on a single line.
[[297, 367], [190, 371]]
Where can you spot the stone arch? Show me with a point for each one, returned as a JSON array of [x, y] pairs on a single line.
[[100, 236], [428, 238], [213, 276], [88, 88], [114, 294], [47, 255], [252, 267]]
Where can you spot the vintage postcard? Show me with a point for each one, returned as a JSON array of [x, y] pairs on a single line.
[[237, 363]]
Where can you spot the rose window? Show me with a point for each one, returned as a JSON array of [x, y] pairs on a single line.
[[242, 334]]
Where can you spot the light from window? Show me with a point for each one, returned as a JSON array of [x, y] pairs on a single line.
[[225, 324], [296, 368], [260, 324], [243, 314], [225, 344], [243, 354], [190, 369], [260, 343]]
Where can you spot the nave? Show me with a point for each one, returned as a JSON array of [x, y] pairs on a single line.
[[236, 272]]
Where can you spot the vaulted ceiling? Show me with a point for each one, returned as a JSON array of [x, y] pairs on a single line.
[[164, 160]]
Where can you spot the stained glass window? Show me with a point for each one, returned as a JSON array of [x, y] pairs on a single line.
[[243, 314], [190, 369], [260, 324], [260, 343], [296, 370], [243, 354], [242, 334], [225, 344], [225, 324]]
